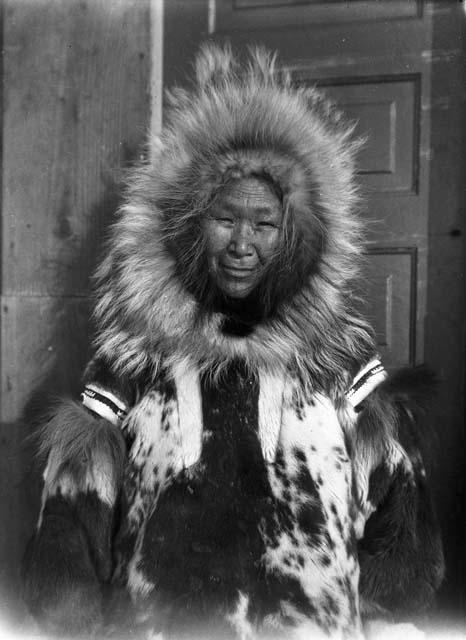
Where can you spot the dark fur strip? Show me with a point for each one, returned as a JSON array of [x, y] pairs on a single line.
[[69, 557], [401, 554], [85, 453], [397, 410], [415, 386], [59, 582]]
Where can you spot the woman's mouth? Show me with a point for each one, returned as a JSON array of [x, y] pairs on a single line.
[[238, 272]]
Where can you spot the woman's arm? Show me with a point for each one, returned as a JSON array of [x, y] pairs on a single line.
[[68, 558], [400, 553]]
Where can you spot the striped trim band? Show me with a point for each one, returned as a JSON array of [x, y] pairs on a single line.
[[365, 382], [104, 403]]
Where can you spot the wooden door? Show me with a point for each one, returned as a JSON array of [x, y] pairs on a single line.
[[376, 59]]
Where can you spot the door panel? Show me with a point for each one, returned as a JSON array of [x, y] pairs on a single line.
[[262, 14], [390, 294], [387, 116]]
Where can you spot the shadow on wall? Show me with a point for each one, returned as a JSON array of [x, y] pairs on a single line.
[[70, 338], [75, 110]]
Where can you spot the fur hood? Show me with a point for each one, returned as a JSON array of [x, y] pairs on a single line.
[[237, 120]]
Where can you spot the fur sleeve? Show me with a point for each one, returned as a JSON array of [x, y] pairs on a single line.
[[69, 556], [400, 552]]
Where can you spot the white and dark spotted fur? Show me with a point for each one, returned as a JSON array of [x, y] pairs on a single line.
[[242, 496]]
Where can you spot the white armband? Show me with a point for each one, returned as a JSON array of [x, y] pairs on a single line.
[[104, 403], [365, 382]]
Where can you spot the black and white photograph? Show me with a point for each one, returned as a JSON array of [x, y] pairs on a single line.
[[232, 329]]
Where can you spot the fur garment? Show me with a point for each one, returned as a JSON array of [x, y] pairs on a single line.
[[233, 123], [252, 498]]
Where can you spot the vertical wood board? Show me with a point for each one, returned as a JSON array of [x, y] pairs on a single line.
[[76, 77], [445, 326], [75, 115]]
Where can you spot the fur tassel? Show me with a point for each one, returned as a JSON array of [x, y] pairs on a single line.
[[400, 555], [395, 412], [84, 453], [69, 557], [60, 584]]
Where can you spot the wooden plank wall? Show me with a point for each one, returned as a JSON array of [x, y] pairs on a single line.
[[445, 322], [75, 113]]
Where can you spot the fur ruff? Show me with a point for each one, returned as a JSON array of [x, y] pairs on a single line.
[[237, 121]]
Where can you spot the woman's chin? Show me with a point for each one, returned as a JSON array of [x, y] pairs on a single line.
[[235, 291]]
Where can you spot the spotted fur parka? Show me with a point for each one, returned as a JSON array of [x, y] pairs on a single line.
[[243, 475]]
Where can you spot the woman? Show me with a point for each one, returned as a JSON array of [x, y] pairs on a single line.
[[240, 465]]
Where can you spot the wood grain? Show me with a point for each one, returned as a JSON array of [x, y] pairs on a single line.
[[76, 99], [445, 323], [75, 113]]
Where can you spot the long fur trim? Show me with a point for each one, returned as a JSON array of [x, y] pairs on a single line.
[[400, 554], [69, 555], [59, 580], [393, 420], [238, 121], [85, 453]]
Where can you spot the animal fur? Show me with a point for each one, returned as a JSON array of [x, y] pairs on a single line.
[[85, 453], [401, 538], [65, 564], [69, 557], [238, 122], [240, 443]]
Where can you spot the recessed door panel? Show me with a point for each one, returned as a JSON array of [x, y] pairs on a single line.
[[250, 14], [387, 116], [389, 294]]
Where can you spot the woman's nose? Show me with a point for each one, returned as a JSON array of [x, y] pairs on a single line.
[[241, 240]]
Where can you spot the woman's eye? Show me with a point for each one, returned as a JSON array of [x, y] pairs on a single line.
[[265, 224], [225, 220]]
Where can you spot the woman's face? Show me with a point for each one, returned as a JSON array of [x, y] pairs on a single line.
[[243, 233]]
